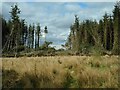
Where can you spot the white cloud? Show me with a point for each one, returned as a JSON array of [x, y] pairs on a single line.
[[95, 10], [72, 7]]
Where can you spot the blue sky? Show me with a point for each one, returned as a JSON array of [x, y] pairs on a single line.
[[58, 16]]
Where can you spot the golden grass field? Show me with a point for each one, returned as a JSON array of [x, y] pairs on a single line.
[[61, 72]]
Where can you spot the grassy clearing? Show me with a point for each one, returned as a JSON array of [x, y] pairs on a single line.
[[60, 72]]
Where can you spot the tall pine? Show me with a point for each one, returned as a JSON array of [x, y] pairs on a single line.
[[116, 20]]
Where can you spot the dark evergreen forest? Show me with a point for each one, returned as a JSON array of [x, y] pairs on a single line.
[[85, 37]]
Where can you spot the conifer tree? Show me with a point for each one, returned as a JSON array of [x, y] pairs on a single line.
[[15, 32], [111, 33], [45, 32], [106, 31], [38, 35], [32, 35], [77, 32], [116, 19], [101, 31]]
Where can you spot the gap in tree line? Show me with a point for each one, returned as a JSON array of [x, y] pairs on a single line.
[[85, 37]]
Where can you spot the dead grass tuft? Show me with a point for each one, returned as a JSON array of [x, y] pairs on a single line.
[[61, 72]]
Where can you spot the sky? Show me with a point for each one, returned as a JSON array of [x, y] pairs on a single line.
[[59, 0], [58, 16]]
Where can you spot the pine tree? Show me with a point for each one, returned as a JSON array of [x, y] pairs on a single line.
[[45, 32], [25, 35], [106, 31], [38, 35], [116, 19], [5, 33], [72, 36], [23, 30], [15, 32], [32, 35], [101, 31], [77, 32], [111, 33]]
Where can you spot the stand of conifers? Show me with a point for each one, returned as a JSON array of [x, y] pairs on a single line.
[[102, 35], [85, 37]]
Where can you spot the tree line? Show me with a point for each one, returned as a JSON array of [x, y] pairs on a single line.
[[17, 36], [101, 36], [85, 37]]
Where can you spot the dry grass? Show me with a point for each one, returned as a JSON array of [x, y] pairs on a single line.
[[61, 72]]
